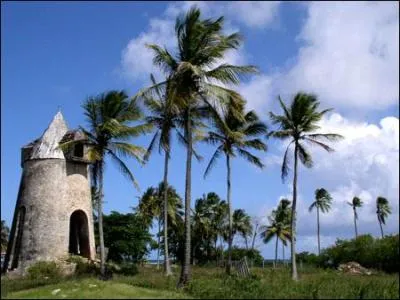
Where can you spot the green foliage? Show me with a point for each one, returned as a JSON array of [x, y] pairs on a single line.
[[251, 254], [381, 254], [83, 266], [323, 200], [308, 258], [5, 231], [209, 219], [383, 209], [127, 269], [212, 283], [44, 269], [126, 236]]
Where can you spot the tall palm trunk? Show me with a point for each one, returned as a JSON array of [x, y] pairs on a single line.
[[355, 221], [167, 266], [254, 237], [293, 219], [276, 251], [247, 244], [159, 238], [100, 219], [380, 224], [185, 273], [319, 245], [228, 166], [283, 253], [216, 252]]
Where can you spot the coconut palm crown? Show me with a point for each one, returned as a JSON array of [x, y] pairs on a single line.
[[383, 210]]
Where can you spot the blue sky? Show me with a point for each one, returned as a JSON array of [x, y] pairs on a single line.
[[57, 54]]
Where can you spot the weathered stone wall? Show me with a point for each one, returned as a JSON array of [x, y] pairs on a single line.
[[79, 196], [46, 227], [51, 190]]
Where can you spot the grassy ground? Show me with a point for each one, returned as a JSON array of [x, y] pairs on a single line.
[[91, 288], [213, 283], [270, 283]]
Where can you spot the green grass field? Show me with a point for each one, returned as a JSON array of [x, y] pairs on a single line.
[[213, 283], [93, 288]]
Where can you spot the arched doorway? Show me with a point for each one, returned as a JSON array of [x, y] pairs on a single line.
[[79, 234]]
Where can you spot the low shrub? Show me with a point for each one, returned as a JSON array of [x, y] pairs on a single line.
[[375, 253], [44, 270], [127, 269], [252, 255], [83, 266]]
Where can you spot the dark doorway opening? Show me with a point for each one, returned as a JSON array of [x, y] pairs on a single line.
[[79, 234]]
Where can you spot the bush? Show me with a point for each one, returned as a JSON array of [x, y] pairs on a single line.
[[127, 269], [44, 270], [83, 266], [376, 253], [251, 254]]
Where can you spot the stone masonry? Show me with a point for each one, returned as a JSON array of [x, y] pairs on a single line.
[[53, 212]]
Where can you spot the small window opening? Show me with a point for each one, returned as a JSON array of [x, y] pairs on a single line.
[[78, 150]]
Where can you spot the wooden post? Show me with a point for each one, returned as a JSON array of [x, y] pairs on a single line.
[[246, 266]]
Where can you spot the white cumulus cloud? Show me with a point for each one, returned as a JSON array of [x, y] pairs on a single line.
[[351, 55]]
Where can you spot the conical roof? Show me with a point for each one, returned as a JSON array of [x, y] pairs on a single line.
[[47, 145]]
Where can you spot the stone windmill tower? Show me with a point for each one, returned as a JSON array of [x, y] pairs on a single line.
[[53, 213]]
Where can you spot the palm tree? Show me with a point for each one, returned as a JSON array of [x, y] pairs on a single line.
[[241, 223], [323, 201], [194, 76], [109, 116], [283, 215], [202, 222], [297, 124], [383, 210], [356, 202], [279, 229], [232, 137], [151, 205], [164, 118], [5, 231]]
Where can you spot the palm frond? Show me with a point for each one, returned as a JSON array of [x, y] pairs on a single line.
[[226, 73], [151, 147], [304, 156], [325, 146], [213, 160], [312, 206], [124, 169], [251, 158], [285, 163]]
